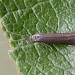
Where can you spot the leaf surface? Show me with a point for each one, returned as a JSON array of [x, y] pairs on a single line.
[[20, 18]]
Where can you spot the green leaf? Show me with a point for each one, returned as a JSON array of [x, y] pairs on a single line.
[[20, 18]]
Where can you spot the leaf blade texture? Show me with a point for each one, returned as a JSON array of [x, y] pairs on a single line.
[[20, 18]]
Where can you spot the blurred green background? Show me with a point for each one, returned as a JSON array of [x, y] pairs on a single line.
[[7, 67]]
